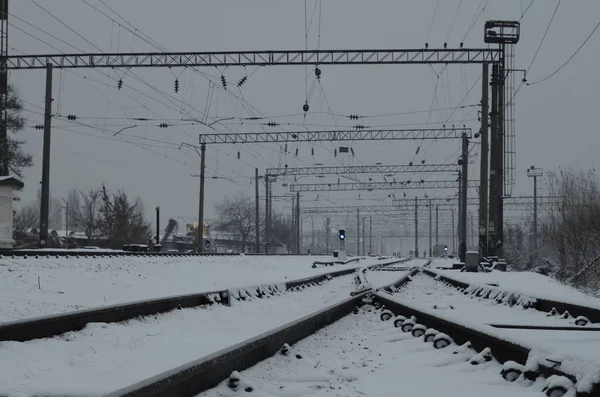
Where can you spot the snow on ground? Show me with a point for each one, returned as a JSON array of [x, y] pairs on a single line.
[[31, 287], [362, 356], [104, 357], [436, 295], [532, 284]]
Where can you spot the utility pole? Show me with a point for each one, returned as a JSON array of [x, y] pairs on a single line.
[[416, 228], [256, 214], [494, 170], [327, 232], [534, 173], [357, 232], [44, 211], [4, 160], [459, 209], [437, 230], [267, 216], [66, 222], [463, 201], [430, 231], [200, 231], [312, 243], [298, 228], [364, 240], [370, 234], [157, 226], [484, 184], [453, 232], [293, 242]]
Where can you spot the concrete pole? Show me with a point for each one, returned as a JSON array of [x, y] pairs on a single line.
[[257, 214], [430, 231], [484, 172], [416, 227], [44, 210], [464, 198]]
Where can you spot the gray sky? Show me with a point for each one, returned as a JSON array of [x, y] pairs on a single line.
[[555, 120]]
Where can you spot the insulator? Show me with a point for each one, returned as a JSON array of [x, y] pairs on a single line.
[[445, 45], [318, 72], [418, 148], [312, 151], [422, 161], [39, 127], [176, 85], [426, 45], [71, 117], [272, 124], [120, 84], [296, 152], [359, 127], [223, 82], [354, 117], [411, 163], [242, 81], [422, 180], [334, 152], [305, 107], [238, 154], [352, 150], [163, 125], [285, 150]]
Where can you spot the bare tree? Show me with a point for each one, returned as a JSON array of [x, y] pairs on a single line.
[[14, 158], [28, 216], [84, 211], [236, 217], [572, 226]]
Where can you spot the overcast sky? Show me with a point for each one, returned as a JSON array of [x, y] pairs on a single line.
[[556, 121]]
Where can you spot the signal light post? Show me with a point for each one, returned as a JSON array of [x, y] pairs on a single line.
[[342, 244]]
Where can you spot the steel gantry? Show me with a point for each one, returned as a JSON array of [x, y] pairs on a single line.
[[502, 33], [368, 186], [336, 135], [257, 58], [362, 169]]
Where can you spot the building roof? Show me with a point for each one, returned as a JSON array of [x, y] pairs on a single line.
[[11, 181]]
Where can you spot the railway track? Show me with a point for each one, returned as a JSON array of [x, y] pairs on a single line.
[[49, 326], [582, 315], [476, 343]]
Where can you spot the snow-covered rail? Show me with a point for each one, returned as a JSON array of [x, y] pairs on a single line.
[[582, 314], [481, 343], [48, 326]]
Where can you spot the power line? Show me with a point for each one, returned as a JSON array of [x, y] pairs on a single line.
[[544, 36], [570, 58]]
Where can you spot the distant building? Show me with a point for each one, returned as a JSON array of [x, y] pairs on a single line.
[[8, 184]]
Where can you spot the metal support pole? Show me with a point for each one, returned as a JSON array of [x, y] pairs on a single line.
[[200, 246], [458, 232], [430, 231], [312, 243], [327, 233], [44, 210], [453, 233], [267, 218], [535, 233], [4, 160], [464, 198], [157, 226], [437, 230], [364, 240], [484, 184], [416, 227], [298, 228], [256, 214], [500, 169], [494, 193], [357, 232], [66, 223], [371, 235]]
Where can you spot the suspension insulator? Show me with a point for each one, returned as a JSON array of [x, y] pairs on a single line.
[[318, 72], [238, 154], [312, 151], [223, 82], [120, 84], [305, 107], [242, 81], [176, 85], [296, 152]]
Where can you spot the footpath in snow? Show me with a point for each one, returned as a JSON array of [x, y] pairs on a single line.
[[31, 287], [105, 357], [361, 356]]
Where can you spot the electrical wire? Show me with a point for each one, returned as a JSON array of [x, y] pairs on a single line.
[[544, 36]]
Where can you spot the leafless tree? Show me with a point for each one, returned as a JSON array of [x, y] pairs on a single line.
[[28, 216], [84, 209], [572, 226], [236, 217]]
